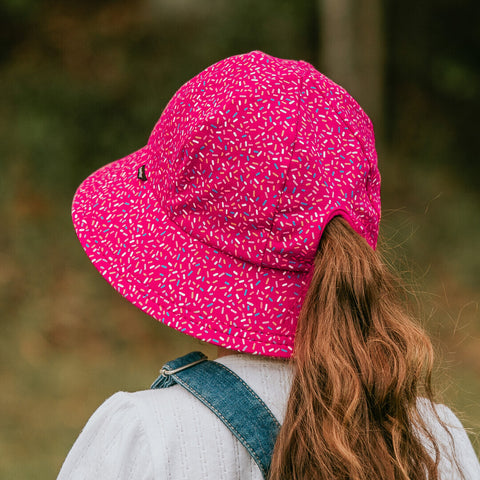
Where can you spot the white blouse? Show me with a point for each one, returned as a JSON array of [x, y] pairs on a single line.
[[169, 434]]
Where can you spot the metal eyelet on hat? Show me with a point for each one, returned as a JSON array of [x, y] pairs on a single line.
[[141, 173]]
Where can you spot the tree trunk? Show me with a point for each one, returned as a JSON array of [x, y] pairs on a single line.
[[352, 50]]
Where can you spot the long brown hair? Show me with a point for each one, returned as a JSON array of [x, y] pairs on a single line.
[[361, 365]]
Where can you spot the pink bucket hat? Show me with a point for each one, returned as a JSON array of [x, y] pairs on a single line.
[[213, 226]]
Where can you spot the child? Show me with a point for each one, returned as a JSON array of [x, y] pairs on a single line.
[[250, 221]]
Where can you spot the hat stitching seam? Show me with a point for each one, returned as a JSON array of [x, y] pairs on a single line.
[[329, 102], [227, 254], [297, 123], [163, 210], [371, 162]]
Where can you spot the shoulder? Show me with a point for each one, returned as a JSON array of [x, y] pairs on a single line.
[[112, 445], [456, 450], [160, 414], [140, 435], [441, 422]]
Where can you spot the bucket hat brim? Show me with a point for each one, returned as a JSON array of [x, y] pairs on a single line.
[[175, 278]]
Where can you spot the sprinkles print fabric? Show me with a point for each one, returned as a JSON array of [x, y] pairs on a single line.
[[213, 226]]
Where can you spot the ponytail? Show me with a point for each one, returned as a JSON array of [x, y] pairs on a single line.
[[361, 364]]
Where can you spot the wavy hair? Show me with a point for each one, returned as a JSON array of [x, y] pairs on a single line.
[[361, 365]]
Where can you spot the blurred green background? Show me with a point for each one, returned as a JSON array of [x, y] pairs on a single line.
[[83, 83]]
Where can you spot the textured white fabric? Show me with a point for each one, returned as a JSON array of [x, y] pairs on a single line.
[[169, 434]]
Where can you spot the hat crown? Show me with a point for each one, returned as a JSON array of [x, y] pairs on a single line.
[[255, 155]]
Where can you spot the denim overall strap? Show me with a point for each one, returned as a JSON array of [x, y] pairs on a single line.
[[230, 398]]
